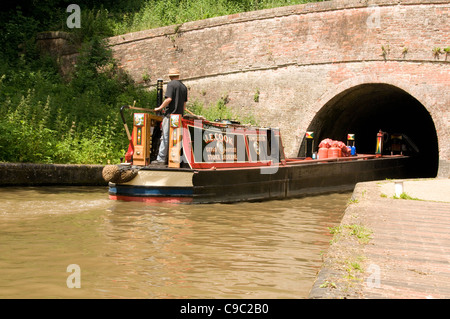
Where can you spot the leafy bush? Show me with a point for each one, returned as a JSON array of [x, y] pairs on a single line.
[[156, 13], [219, 111], [47, 120]]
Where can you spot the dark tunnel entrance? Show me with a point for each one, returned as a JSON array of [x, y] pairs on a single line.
[[365, 109]]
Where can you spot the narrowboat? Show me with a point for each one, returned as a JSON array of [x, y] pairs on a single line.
[[226, 162]]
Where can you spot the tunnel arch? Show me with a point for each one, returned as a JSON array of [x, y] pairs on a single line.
[[364, 109]]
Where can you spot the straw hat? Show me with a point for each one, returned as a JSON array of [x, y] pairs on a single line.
[[174, 72]]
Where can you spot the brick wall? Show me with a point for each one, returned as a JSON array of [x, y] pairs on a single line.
[[300, 57], [58, 45]]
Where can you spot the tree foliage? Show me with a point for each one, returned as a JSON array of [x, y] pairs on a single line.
[[45, 118]]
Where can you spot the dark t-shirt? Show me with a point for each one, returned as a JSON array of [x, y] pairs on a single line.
[[178, 92]]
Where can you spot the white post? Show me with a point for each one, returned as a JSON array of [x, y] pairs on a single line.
[[398, 188]]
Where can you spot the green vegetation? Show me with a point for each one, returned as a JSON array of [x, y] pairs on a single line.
[[328, 284], [219, 111], [350, 261], [48, 118], [353, 201], [405, 196], [436, 52], [360, 232], [256, 96], [142, 15], [353, 269], [385, 50]]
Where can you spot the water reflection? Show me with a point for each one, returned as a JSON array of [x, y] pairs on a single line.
[[135, 250]]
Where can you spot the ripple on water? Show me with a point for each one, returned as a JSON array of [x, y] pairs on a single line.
[[34, 201], [136, 250]]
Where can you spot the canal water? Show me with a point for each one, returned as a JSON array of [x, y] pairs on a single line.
[[53, 238]]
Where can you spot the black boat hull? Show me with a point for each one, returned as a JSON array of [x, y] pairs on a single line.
[[257, 184]]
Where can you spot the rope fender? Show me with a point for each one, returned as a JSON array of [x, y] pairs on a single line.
[[116, 174]]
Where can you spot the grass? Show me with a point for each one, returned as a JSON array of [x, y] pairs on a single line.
[[151, 14], [349, 261], [328, 284], [360, 232], [405, 196], [354, 267]]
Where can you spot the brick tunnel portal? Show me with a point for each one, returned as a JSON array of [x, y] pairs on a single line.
[[365, 109]]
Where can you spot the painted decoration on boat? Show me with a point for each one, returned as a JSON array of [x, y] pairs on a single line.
[[207, 145], [217, 145]]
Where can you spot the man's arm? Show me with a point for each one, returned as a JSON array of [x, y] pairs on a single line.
[[164, 104]]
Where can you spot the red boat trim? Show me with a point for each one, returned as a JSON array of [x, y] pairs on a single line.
[[168, 200], [236, 132]]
